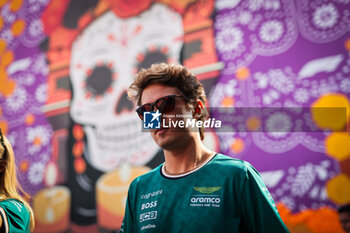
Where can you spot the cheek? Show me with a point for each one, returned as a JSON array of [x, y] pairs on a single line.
[[153, 134]]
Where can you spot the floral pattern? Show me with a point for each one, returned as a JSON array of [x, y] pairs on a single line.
[[325, 16], [25, 71], [293, 57]]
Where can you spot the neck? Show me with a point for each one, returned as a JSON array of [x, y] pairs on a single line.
[[186, 158]]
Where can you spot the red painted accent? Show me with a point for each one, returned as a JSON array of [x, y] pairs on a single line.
[[61, 225], [88, 71], [165, 49], [107, 219], [140, 57], [87, 95], [110, 89], [111, 37]]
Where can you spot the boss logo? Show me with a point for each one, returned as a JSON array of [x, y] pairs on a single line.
[[149, 205]]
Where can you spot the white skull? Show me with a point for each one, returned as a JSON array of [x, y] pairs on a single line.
[[105, 58]]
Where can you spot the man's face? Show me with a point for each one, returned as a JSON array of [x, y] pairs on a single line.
[[168, 138], [345, 221]]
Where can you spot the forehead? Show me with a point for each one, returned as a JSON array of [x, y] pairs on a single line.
[[155, 91]]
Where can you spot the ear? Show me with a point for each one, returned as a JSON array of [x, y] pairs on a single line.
[[198, 109]]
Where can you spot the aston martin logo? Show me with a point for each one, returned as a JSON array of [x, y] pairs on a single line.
[[206, 190]]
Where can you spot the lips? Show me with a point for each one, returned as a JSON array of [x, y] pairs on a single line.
[[160, 131]]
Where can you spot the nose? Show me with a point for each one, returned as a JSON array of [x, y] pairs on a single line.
[[123, 104]]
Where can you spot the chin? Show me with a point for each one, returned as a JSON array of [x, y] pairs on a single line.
[[164, 144]]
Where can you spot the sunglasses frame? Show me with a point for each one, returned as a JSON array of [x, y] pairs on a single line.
[[2, 142], [140, 110]]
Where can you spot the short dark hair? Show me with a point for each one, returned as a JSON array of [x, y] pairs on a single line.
[[173, 75], [344, 208]]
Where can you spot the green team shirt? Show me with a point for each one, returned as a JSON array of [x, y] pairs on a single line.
[[15, 216], [224, 195]]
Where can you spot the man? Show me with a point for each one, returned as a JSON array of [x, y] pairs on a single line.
[[195, 189], [344, 217]]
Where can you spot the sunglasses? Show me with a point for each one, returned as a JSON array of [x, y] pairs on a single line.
[[164, 104], [2, 141]]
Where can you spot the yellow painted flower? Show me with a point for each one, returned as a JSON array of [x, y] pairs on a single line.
[[18, 27], [16, 5], [253, 123], [347, 44], [3, 2], [228, 102], [338, 189], [338, 145], [4, 126], [7, 58], [237, 145], [3, 46], [331, 111], [29, 119], [1, 22], [242, 73]]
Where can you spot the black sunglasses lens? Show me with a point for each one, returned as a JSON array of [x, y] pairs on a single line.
[[166, 104], [140, 112], [144, 108], [148, 107]]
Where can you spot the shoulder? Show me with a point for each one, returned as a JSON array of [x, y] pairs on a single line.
[[224, 162], [13, 207], [13, 204], [14, 215], [225, 166]]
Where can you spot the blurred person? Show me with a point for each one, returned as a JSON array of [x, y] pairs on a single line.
[[16, 214], [195, 189], [344, 217]]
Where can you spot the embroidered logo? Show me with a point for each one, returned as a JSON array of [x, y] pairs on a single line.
[[207, 190], [206, 198]]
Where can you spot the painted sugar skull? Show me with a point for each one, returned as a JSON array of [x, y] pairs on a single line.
[[105, 58]]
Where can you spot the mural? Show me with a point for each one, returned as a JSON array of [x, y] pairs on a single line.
[[65, 67], [260, 35], [115, 45]]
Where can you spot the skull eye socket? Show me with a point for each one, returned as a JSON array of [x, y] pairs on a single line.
[[99, 81], [151, 56]]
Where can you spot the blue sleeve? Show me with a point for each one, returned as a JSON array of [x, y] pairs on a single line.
[[258, 208]]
